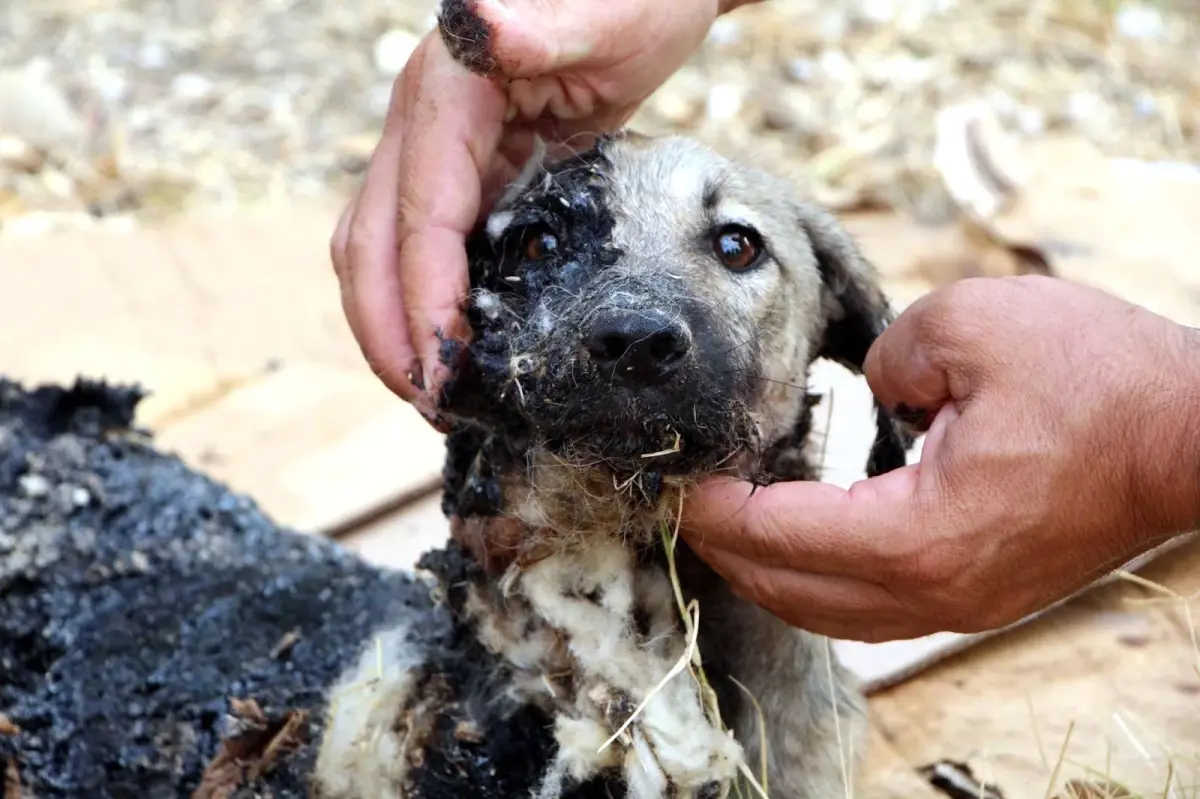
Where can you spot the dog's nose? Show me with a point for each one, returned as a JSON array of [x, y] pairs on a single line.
[[640, 347]]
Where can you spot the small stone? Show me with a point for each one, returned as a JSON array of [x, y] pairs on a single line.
[[791, 109], [724, 32], [1031, 121], [724, 101], [801, 70], [139, 562], [1137, 21], [190, 86], [836, 66], [878, 11], [34, 486], [153, 55], [393, 49], [1145, 105], [110, 84], [674, 108], [17, 156], [36, 111], [80, 497]]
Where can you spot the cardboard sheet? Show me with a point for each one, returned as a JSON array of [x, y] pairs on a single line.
[[233, 323]]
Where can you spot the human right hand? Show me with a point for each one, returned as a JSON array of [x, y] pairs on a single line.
[[460, 124], [1065, 441]]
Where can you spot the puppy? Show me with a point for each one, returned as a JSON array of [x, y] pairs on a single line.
[[644, 314]]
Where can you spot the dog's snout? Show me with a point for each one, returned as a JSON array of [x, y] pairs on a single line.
[[640, 347]]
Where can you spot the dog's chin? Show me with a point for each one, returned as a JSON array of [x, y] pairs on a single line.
[[672, 444]]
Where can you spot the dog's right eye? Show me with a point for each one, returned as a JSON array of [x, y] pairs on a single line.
[[737, 247]]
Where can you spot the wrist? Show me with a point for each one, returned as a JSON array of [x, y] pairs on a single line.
[[1168, 491]]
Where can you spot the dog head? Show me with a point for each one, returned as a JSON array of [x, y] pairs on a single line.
[[645, 314]]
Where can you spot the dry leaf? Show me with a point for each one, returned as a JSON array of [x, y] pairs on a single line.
[[12, 782], [7, 728], [252, 751]]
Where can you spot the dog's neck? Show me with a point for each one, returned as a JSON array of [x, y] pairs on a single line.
[[514, 501]]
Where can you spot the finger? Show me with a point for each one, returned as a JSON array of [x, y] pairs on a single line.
[[370, 285], [809, 526], [807, 592], [866, 632], [901, 371], [453, 129]]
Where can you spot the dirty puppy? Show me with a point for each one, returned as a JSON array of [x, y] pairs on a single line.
[[644, 315]]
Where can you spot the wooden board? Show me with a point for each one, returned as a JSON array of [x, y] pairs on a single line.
[[1121, 670], [1122, 226], [233, 321], [397, 539]]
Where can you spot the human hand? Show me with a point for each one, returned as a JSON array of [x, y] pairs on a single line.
[[1065, 440], [455, 135]]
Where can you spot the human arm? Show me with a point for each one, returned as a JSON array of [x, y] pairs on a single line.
[[1064, 441]]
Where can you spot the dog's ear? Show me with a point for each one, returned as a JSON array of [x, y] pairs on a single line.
[[857, 312]]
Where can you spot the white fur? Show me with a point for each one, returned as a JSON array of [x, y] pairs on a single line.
[[364, 752], [671, 743]]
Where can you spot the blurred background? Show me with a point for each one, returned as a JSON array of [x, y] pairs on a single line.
[[171, 171]]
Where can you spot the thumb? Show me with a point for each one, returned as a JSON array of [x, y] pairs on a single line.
[[806, 526]]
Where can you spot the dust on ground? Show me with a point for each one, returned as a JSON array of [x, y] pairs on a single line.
[[128, 110]]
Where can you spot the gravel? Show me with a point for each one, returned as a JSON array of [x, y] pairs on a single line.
[[146, 108]]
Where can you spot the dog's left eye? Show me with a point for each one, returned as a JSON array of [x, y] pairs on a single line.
[[737, 247], [539, 242]]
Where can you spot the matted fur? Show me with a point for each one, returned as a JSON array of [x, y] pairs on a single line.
[[572, 469]]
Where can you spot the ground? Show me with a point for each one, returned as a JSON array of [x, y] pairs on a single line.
[[174, 104]]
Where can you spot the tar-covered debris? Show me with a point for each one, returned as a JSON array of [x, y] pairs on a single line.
[[160, 637], [138, 599]]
